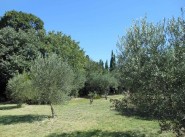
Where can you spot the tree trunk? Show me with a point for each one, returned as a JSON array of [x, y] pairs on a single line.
[[19, 105], [106, 94], [52, 111], [91, 100]]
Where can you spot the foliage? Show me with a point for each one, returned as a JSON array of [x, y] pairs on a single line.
[[52, 80], [98, 78], [92, 66], [20, 88], [70, 52], [91, 96], [79, 82], [102, 83], [51, 71], [67, 49], [112, 61], [139, 62], [106, 66], [101, 64], [24, 38], [126, 106], [151, 64], [49, 81], [21, 20], [18, 48]]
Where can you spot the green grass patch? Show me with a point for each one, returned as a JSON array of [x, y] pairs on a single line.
[[75, 119]]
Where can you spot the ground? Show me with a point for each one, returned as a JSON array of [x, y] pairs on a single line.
[[77, 118]]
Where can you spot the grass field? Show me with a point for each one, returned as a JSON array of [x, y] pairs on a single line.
[[75, 119]]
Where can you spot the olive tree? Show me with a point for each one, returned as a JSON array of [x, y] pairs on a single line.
[[141, 61], [52, 80], [69, 51], [151, 63], [102, 83]]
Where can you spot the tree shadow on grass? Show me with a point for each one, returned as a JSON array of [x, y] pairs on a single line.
[[15, 119], [99, 133], [8, 107], [130, 112]]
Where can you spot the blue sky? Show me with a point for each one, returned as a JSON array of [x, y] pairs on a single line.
[[96, 24]]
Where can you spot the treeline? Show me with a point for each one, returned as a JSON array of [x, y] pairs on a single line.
[[23, 41], [151, 63], [101, 79]]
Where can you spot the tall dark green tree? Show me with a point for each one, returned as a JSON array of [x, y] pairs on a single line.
[[18, 48], [101, 64], [112, 61], [67, 48], [106, 66], [20, 42]]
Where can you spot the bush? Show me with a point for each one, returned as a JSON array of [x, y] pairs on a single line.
[[124, 105], [97, 96], [19, 88]]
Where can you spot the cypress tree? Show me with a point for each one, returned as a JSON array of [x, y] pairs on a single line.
[[101, 64], [106, 66], [112, 61]]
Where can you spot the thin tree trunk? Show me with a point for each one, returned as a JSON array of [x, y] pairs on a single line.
[[52, 111], [19, 105], [106, 94], [91, 100]]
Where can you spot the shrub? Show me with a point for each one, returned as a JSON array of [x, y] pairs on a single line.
[[19, 88]]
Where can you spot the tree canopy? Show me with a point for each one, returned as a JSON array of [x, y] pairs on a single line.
[[21, 20], [22, 44], [18, 49], [49, 81], [52, 79]]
